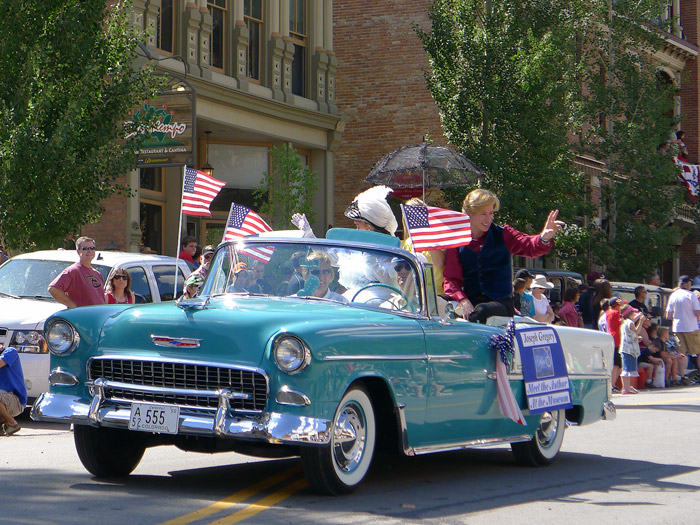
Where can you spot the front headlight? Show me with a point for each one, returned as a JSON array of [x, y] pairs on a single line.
[[61, 337], [28, 342], [291, 354]]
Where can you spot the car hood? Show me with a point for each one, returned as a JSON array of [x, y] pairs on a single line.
[[26, 314], [231, 329]]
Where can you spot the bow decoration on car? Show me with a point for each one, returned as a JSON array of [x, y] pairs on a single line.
[[504, 345]]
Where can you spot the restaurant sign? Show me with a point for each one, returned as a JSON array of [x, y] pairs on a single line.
[[172, 126]]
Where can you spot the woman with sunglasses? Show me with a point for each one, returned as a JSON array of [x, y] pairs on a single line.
[[318, 276], [119, 288]]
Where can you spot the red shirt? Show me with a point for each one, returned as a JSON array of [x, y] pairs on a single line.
[[83, 285], [614, 324], [113, 300], [517, 243]]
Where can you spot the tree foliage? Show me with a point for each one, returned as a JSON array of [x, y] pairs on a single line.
[[524, 85], [67, 82], [287, 189], [632, 106]]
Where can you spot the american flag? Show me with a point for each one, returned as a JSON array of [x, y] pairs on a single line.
[[243, 221], [436, 228], [198, 190]]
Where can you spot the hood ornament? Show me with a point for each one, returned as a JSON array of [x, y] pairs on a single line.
[[175, 342]]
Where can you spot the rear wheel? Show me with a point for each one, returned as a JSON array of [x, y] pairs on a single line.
[[546, 443], [339, 467], [108, 452]]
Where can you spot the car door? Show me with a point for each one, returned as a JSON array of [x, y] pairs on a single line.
[[462, 403]]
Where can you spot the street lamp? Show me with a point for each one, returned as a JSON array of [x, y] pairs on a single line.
[[207, 168]]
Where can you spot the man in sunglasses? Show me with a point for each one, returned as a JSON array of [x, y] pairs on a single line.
[[79, 284]]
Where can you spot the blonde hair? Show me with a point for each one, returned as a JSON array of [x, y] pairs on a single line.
[[478, 199]]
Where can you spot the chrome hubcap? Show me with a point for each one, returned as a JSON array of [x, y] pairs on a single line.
[[349, 438]]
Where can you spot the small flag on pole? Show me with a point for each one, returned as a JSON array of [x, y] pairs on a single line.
[[198, 190], [436, 228], [243, 221]]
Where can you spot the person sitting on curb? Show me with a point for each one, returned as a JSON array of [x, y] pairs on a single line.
[[13, 393]]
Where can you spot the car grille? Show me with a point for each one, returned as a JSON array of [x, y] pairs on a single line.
[[176, 375]]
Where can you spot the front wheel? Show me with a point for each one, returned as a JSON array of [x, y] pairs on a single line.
[[339, 467], [108, 452], [546, 443]]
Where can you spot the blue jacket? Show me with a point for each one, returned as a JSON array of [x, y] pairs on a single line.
[[489, 271]]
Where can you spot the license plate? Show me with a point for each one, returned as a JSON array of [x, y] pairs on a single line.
[[147, 417]]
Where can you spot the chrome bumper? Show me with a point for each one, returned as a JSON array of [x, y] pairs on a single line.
[[609, 411], [271, 427]]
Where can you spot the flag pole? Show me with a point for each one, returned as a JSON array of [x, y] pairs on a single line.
[[179, 233], [405, 223]]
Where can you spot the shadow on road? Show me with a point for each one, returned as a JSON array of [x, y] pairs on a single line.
[[433, 486]]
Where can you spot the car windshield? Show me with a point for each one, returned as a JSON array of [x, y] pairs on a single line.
[[31, 277], [376, 278]]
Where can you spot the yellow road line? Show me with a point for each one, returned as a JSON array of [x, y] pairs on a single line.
[[234, 499], [264, 504], [664, 401]]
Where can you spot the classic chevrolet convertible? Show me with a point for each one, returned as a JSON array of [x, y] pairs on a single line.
[[350, 352]]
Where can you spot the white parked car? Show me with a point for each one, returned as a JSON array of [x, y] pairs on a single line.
[[25, 302]]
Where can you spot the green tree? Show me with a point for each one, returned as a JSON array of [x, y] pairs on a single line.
[[631, 106], [523, 85], [287, 189], [67, 83], [502, 75]]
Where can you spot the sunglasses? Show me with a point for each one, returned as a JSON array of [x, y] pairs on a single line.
[[88, 248], [401, 266], [325, 271], [209, 256], [120, 277]]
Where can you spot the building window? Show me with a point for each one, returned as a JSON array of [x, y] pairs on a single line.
[[164, 27], [151, 179], [217, 42], [253, 16], [297, 32], [152, 225]]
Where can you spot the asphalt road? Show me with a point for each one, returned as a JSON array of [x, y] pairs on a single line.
[[642, 468]]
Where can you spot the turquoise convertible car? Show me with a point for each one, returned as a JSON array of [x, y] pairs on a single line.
[[352, 352]]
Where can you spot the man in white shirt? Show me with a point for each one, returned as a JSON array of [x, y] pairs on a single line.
[[684, 309]]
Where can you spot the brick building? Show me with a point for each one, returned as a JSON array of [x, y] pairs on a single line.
[[261, 73], [382, 94]]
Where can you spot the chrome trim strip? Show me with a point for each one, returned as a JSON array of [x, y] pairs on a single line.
[[449, 357], [163, 390], [471, 444], [401, 416], [158, 359], [422, 357], [269, 427]]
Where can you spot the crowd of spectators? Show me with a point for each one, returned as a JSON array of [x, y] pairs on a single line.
[[669, 355]]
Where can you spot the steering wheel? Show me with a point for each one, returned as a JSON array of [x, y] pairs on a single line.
[[408, 304]]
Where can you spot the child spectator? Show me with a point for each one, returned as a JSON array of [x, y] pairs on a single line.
[[675, 361], [522, 298], [649, 359], [630, 328], [613, 323]]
